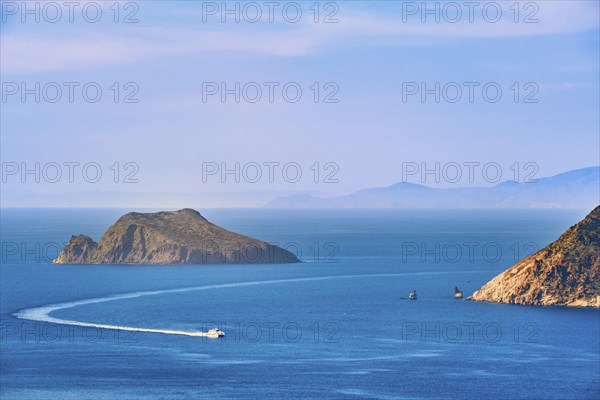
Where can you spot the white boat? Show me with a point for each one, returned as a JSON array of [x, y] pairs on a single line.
[[215, 333]]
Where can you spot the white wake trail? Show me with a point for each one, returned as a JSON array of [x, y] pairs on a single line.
[[42, 314]]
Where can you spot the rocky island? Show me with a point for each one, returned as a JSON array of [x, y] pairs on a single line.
[[564, 273], [170, 237]]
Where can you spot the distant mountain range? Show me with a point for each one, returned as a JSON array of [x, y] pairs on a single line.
[[578, 189]]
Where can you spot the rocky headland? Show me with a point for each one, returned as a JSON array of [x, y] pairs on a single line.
[[564, 273], [170, 237]]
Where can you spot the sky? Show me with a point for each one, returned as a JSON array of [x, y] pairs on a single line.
[[203, 97]]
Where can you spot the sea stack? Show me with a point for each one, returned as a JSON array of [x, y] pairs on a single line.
[[564, 273], [170, 237]]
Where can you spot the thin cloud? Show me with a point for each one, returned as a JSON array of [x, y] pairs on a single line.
[[21, 53]]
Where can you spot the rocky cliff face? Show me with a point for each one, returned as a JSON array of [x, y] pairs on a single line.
[[564, 273], [78, 250], [178, 237]]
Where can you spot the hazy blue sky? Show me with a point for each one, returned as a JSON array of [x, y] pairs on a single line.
[[370, 54]]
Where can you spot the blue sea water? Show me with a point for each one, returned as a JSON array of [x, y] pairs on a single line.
[[337, 326]]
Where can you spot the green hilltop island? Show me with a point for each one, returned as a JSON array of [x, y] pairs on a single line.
[[170, 237], [564, 273]]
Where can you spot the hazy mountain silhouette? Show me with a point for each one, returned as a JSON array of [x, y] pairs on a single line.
[[578, 189]]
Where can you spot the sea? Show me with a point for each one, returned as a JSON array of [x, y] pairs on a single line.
[[339, 325]]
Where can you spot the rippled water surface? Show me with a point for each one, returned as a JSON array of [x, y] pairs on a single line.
[[336, 326]]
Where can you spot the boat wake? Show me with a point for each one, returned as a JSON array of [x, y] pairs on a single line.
[[42, 314]]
